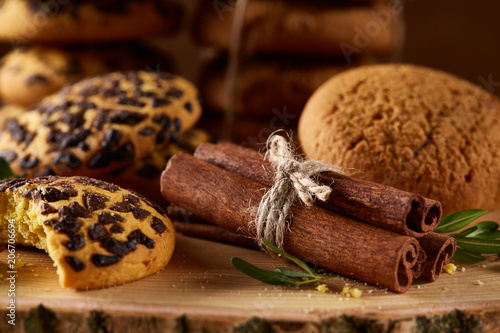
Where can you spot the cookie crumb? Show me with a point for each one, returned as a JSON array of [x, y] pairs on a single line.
[[446, 288], [479, 282], [354, 292], [450, 268], [322, 288], [462, 269], [19, 264]]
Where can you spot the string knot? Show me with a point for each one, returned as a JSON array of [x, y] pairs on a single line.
[[292, 179]]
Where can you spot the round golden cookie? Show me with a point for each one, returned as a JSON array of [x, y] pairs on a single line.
[[29, 73], [63, 21], [97, 234], [100, 124], [413, 128]]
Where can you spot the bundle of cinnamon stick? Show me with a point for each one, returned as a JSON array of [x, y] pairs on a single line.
[[371, 232]]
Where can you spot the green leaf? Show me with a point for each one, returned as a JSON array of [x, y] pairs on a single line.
[[491, 235], [295, 260], [261, 274], [463, 255], [479, 245], [5, 170], [458, 220], [483, 229], [294, 274], [465, 233]]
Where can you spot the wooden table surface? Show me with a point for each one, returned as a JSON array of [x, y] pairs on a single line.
[[199, 290]]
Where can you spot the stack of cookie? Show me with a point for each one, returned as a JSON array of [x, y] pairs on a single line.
[[287, 49], [57, 42]]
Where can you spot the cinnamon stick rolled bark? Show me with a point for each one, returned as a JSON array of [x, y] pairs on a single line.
[[439, 250], [316, 235], [380, 205]]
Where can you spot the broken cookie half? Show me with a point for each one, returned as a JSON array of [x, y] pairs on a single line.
[[97, 233]]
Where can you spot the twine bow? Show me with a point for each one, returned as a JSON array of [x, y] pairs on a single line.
[[292, 179]]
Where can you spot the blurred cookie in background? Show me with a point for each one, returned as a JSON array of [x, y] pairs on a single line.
[[23, 21], [266, 83], [29, 73]]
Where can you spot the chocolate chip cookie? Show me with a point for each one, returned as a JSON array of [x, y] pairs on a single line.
[[100, 124], [29, 73], [414, 128], [97, 234], [57, 21]]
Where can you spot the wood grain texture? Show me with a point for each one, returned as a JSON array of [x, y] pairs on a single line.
[[199, 289]]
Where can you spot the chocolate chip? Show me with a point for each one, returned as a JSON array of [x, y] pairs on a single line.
[[83, 146], [97, 183], [161, 119], [101, 260], [189, 107], [174, 92], [76, 242], [77, 210], [124, 153], [111, 139], [68, 159], [177, 128], [138, 237], [127, 117], [17, 131], [158, 102], [116, 229], [76, 264], [48, 171], [130, 101], [93, 201], [100, 119], [28, 162], [133, 199], [8, 155], [158, 226], [108, 218], [140, 213], [51, 194], [37, 79], [65, 225], [165, 130], [117, 247], [146, 93], [97, 232], [122, 207], [74, 120], [46, 209], [100, 160], [85, 105], [147, 131]]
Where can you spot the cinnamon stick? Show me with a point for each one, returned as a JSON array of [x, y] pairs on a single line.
[[439, 250], [316, 235], [380, 205]]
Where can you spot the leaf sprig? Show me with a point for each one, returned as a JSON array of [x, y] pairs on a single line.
[[278, 276], [473, 242]]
